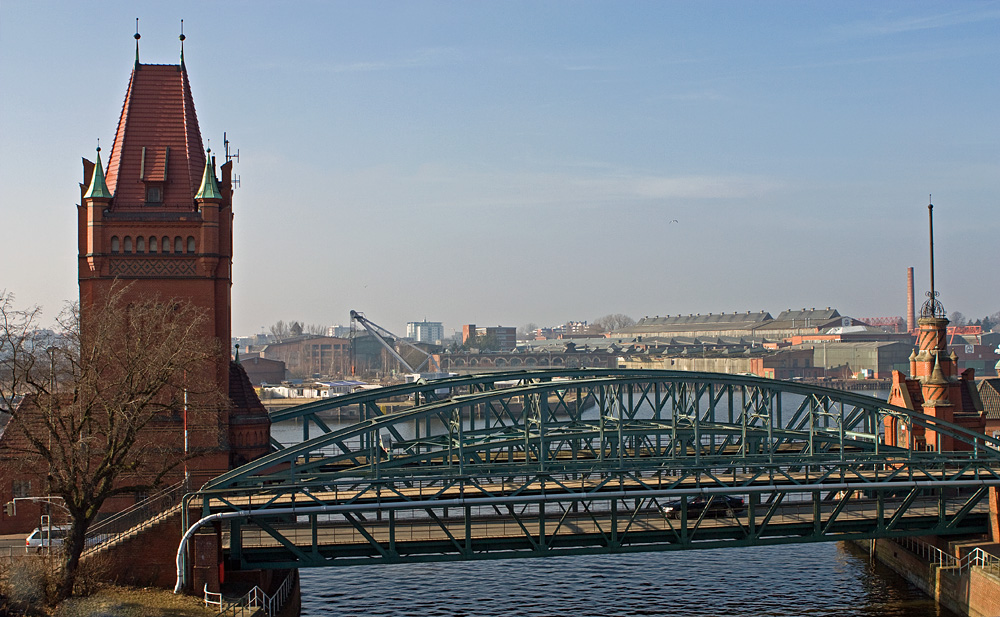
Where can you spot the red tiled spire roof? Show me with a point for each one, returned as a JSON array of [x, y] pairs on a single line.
[[158, 116]]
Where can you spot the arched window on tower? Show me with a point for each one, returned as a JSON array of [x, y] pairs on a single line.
[[140, 245], [128, 244], [190, 244], [178, 245], [115, 244], [165, 244], [152, 244]]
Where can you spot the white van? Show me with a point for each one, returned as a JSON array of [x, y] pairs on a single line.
[[39, 538]]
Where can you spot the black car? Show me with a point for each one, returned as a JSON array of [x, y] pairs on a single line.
[[717, 506]]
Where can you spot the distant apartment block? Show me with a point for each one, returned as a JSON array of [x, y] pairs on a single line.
[[338, 331], [570, 329], [505, 336], [425, 331]]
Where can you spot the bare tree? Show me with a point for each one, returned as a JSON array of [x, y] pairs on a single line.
[[612, 322], [89, 405], [280, 330], [527, 330], [957, 319]]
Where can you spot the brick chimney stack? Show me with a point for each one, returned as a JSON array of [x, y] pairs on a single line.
[[911, 318]]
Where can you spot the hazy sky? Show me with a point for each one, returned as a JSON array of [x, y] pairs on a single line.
[[512, 162]]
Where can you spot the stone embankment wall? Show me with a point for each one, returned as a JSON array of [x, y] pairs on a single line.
[[974, 592]]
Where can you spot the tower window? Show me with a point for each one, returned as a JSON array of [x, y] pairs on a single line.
[[152, 244], [154, 194], [128, 244], [115, 244], [178, 245], [140, 245], [165, 245], [190, 244]]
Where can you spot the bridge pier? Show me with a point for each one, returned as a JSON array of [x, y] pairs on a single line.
[[995, 514]]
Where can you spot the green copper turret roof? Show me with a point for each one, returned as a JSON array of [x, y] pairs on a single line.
[[98, 187], [209, 185]]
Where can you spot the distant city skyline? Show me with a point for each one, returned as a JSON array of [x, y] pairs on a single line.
[[506, 163]]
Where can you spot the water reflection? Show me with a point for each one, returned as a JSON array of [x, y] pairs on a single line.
[[788, 581]]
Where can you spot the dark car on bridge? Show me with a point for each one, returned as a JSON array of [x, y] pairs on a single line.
[[714, 507]]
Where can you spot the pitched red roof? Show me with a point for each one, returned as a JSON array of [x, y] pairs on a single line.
[[158, 140], [241, 393], [989, 392]]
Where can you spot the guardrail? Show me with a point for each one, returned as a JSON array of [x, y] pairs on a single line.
[[932, 554], [253, 600], [137, 516]]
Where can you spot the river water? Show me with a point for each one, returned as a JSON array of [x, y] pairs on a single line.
[[794, 580]]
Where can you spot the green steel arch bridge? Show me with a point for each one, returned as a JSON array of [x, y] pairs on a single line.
[[555, 462]]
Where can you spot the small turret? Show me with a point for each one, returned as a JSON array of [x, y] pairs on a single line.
[[209, 185], [98, 187]]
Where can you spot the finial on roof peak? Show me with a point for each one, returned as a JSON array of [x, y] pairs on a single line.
[[182, 37], [137, 37]]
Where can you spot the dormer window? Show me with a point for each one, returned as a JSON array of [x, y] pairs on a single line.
[[154, 194]]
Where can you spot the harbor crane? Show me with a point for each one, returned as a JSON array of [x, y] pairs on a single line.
[[381, 334]]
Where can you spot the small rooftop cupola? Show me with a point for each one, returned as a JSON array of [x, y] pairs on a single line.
[[98, 187], [209, 185]]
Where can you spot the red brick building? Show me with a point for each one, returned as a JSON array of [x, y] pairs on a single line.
[[161, 220]]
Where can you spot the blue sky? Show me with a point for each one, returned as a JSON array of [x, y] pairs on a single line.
[[513, 162]]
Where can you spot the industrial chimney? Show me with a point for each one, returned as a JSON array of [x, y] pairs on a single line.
[[911, 319]]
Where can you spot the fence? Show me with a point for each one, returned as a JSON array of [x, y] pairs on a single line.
[[933, 555], [253, 600]]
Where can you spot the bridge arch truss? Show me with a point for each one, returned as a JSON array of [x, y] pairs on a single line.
[[532, 463]]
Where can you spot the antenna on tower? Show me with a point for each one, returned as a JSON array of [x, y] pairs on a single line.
[[932, 306], [137, 37], [231, 157]]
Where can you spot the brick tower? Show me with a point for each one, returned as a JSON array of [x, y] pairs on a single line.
[[934, 387], [161, 221]]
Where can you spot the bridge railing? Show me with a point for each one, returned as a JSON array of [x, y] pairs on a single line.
[[135, 517]]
